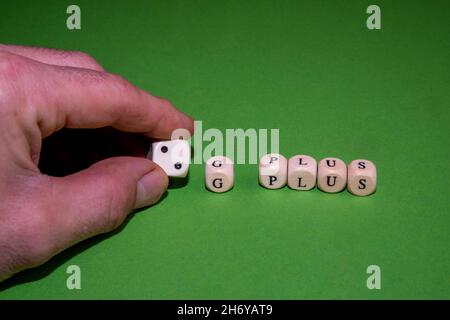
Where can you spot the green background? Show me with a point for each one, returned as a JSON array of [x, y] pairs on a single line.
[[332, 87]]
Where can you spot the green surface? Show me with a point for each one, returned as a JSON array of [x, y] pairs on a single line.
[[332, 87]]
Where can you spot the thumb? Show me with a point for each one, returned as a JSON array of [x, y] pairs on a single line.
[[98, 199]]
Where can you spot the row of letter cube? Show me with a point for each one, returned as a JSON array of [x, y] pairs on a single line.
[[331, 175], [301, 172]]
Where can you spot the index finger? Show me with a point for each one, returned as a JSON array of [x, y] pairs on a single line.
[[81, 98]]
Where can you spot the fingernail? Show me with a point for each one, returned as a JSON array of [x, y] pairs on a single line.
[[150, 188]]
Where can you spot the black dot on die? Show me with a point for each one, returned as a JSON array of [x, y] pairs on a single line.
[[164, 149], [178, 166]]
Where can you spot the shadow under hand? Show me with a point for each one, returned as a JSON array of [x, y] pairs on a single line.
[[71, 150]]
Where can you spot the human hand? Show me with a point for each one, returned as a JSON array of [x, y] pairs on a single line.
[[41, 92]]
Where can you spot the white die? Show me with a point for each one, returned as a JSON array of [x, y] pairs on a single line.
[[172, 156]]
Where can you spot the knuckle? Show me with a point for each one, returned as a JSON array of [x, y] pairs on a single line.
[[75, 58], [12, 82], [86, 59], [121, 83], [12, 66], [166, 103], [80, 55]]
